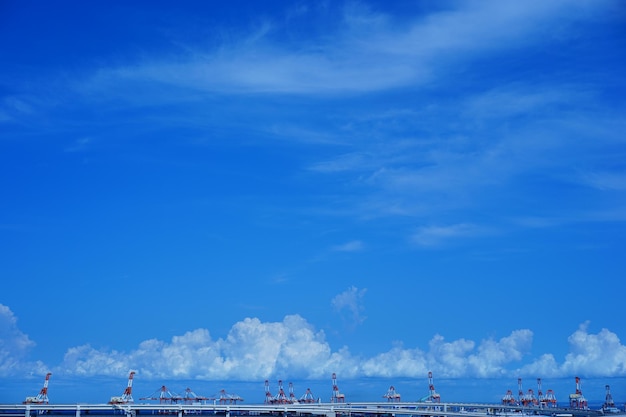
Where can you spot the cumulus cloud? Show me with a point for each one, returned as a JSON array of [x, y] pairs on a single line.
[[14, 346], [257, 350], [251, 350], [595, 354]]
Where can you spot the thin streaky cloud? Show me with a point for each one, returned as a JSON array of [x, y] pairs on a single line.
[[352, 246], [436, 236], [362, 58]]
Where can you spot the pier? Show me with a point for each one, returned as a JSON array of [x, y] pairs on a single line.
[[363, 409]]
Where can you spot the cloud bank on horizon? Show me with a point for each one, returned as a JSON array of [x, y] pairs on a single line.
[[255, 350]]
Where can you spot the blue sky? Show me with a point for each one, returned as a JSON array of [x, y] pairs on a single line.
[[260, 190]]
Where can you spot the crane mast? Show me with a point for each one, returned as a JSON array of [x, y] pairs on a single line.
[[336, 397], [292, 395], [281, 397], [577, 400], [540, 396], [269, 398], [434, 396], [609, 404]]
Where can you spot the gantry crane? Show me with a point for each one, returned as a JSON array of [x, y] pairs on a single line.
[[508, 398], [42, 397], [225, 398], [433, 395], [190, 397], [550, 399], [281, 397], [164, 395], [547, 400], [126, 396], [392, 395], [529, 398], [577, 400], [308, 397], [540, 398], [336, 397], [269, 398], [609, 404], [292, 396]]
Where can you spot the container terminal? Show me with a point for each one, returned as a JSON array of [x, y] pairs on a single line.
[[286, 404]]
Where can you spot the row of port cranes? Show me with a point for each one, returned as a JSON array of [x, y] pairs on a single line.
[[432, 397], [529, 399], [282, 398], [337, 396], [165, 396], [578, 401]]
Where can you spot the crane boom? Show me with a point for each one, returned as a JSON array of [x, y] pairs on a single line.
[[127, 395], [42, 397]]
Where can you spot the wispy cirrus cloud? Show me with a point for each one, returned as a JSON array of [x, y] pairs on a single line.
[[435, 236], [352, 246], [369, 51]]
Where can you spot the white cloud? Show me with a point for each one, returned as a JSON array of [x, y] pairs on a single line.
[[15, 346], [256, 350], [595, 354], [251, 350], [352, 246], [605, 180], [350, 301], [79, 145], [368, 52], [492, 355], [432, 236]]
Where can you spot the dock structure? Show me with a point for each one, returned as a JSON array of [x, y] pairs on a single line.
[[362, 409]]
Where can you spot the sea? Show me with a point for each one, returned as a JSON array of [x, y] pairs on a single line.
[[99, 390]]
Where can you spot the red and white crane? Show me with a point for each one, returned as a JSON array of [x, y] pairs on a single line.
[[269, 398], [609, 404], [547, 400], [336, 397], [281, 397], [577, 400], [164, 396], [190, 397], [434, 396], [392, 395], [226, 398], [540, 396], [292, 396], [550, 399], [42, 397], [127, 395], [508, 398], [308, 397]]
